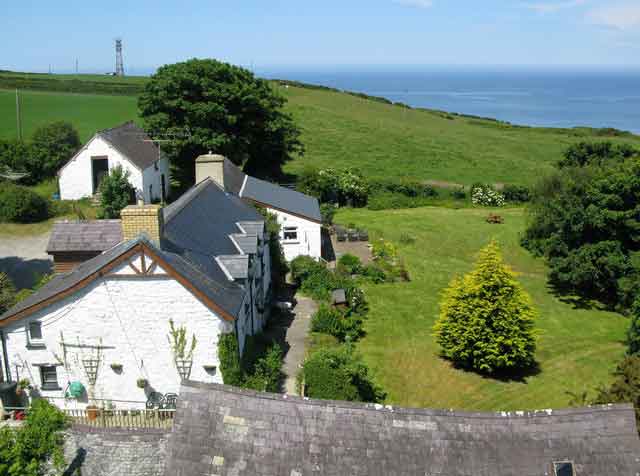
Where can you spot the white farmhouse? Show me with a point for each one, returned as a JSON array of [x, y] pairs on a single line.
[[126, 145], [298, 214], [202, 261]]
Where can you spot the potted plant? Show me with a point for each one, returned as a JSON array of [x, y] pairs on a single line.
[[92, 412], [116, 367], [23, 384], [142, 383]]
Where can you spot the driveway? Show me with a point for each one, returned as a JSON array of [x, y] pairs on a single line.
[[24, 259]]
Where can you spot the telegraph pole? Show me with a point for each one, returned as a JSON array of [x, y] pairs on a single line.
[[18, 117]]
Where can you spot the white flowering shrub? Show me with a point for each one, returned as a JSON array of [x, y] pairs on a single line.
[[486, 196]]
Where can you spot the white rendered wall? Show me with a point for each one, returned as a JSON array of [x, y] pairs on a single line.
[[76, 179], [153, 177], [309, 242], [130, 317]]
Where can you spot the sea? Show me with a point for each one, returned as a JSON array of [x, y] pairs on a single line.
[[534, 98]]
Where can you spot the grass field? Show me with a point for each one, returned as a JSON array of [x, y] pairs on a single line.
[[577, 350], [343, 130]]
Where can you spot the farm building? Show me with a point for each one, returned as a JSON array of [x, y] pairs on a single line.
[[126, 145]]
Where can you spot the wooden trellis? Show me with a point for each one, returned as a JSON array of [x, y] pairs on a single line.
[[91, 369], [184, 367]]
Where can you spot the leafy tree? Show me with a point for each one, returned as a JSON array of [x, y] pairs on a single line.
[[7, 293], [115, 193], [626, 386], [486, 318], [51, 147], [633, 335], [14, 155], [338, 374], [584, 219], [19, 204], [225, 109], [595, 153]]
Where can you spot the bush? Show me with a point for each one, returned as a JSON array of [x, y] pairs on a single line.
[[350, 264], [342, 186], [303, 266], [516, 193], [229, 357], [486, 318], [374, 273], [337, 374], [459, 193], [321, 282], [407, 187], [7, 293], [52, 146], [391, 201], [115, 193], [328, 320], [327, 212], [485, 195], [626, 386], [633, 335], [19, 204], [27, 451]]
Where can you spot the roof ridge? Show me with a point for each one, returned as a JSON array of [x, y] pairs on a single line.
[[120, 126], [184, 199]]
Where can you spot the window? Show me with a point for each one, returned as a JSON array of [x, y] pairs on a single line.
[[290, 233], [34, 334], [563, 468], [49, 376]]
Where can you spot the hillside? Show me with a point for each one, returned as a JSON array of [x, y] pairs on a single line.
[[339, 129]]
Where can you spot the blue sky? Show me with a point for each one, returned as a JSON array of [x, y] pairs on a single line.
[[305, 34]]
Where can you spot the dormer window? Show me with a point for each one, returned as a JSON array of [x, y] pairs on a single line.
[[34, 334], [563, 468]]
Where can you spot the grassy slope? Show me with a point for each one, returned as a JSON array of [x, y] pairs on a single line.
[[88, 112], [343, 130], [577, 350], [383, 140]]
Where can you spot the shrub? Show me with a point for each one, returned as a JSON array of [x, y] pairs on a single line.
[[303, 266], [516, 193], [633, 335], [327, 320], [350, 264], [229, 357], [486, 318], [265, 373], [338, 374], [374, 273], [28, 451], [18, 204], [52, 146], [459, 193], [343, 186], [327, 212], [486, 196], [7, 293], [115, 193], [626, 386], [321, 282], [384, 250], [390, 201]]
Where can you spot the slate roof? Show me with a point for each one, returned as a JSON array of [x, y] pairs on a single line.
[[281, 198], [197, 229], [82, 236], [267, 193], [133, 142], [223, 430]]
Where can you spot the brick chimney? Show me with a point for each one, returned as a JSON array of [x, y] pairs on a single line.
[[210, 165], [137, 219]]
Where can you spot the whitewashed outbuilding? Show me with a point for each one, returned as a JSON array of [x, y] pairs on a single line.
[[127, 146]]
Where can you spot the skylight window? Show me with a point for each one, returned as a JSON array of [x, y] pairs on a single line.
[[563, 468]]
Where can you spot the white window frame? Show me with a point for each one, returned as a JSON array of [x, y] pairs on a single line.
[[49, 386], [290, 229], [35, 342]]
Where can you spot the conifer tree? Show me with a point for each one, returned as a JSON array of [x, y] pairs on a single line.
[[486, 318]]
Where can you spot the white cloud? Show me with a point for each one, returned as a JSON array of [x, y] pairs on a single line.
[[623, 16], [415, 3], [552, 7]]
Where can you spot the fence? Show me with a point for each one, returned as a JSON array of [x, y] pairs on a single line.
[[116, 418]]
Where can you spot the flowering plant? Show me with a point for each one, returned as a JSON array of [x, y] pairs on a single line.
[[486, 196]]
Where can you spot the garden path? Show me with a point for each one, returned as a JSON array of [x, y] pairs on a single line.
[[296, 334]]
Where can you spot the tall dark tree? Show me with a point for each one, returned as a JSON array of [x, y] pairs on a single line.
[[218, 107], [585, 220]]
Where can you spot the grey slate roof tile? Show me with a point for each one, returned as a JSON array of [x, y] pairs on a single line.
[[133, 142], [96, 235], [259, 433]]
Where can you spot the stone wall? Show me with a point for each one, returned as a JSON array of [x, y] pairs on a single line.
[[115, 452]]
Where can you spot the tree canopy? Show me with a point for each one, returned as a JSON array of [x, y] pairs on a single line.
[[486, 318], [211, 106], [585, 219]]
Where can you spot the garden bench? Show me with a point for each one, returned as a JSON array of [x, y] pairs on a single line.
[[363, 235], [352, 234]]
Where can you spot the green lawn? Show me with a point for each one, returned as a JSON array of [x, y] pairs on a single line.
[[87, 112], [577, 350]]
